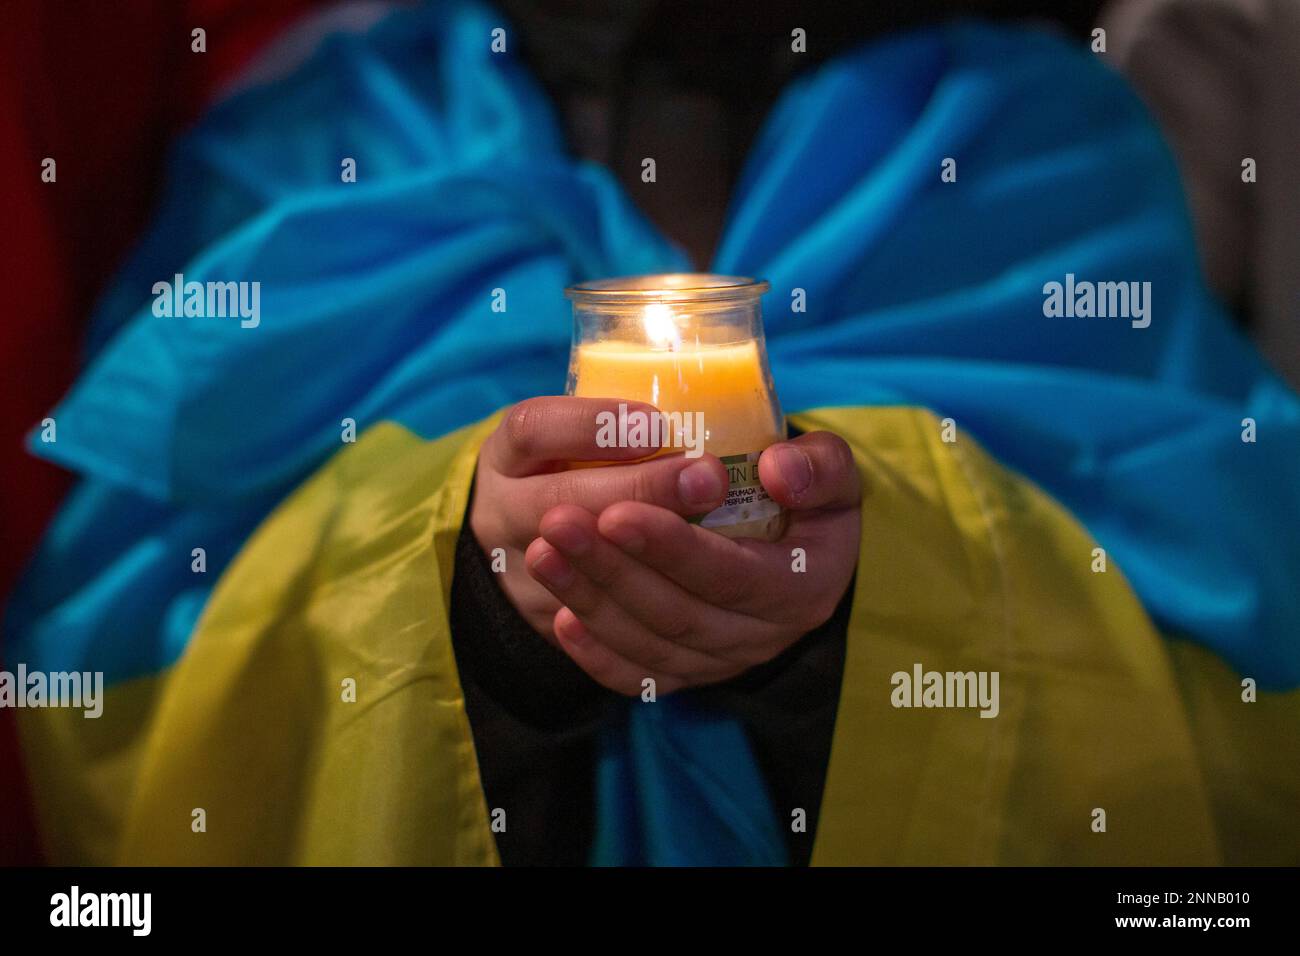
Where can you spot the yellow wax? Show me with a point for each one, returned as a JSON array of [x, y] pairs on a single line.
[[725, 382]]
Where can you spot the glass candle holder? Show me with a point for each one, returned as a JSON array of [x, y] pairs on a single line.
[[690, 344]]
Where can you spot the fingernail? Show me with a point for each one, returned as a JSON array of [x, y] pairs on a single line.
[[553, 569], [698, 484], [796, 470], [569, 538], [626, 538], [574, 632]]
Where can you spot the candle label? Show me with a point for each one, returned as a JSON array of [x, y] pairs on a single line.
[[747, 499]]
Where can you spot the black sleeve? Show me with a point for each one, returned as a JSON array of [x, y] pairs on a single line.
[[534, 715]]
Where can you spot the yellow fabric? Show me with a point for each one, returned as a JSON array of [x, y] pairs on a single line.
[[349, 579], [964, 566], [1250, 754], [82, 772]]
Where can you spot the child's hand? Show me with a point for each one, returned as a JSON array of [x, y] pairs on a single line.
[[522, 473], [646, 594]]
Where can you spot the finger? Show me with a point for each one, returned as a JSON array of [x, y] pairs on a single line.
[[815, 470], [683, 485], [652, 600], [587, 573], [602, 664], [538, 434], [742, 575]]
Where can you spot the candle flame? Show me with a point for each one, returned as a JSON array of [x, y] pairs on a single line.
[[661, 326]]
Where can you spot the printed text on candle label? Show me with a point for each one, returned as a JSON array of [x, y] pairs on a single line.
[[639, 429], [747, 500]]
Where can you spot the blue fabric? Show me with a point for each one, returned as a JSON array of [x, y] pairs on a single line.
[[678, 786], [376, 301], [931, 293], [376, 304]]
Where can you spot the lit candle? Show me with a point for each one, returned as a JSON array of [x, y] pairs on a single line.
[[692, 346]]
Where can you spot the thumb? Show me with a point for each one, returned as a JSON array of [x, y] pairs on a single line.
[[815, 470]]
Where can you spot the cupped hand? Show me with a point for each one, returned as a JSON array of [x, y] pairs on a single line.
[[524, 471], [637, 592]]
